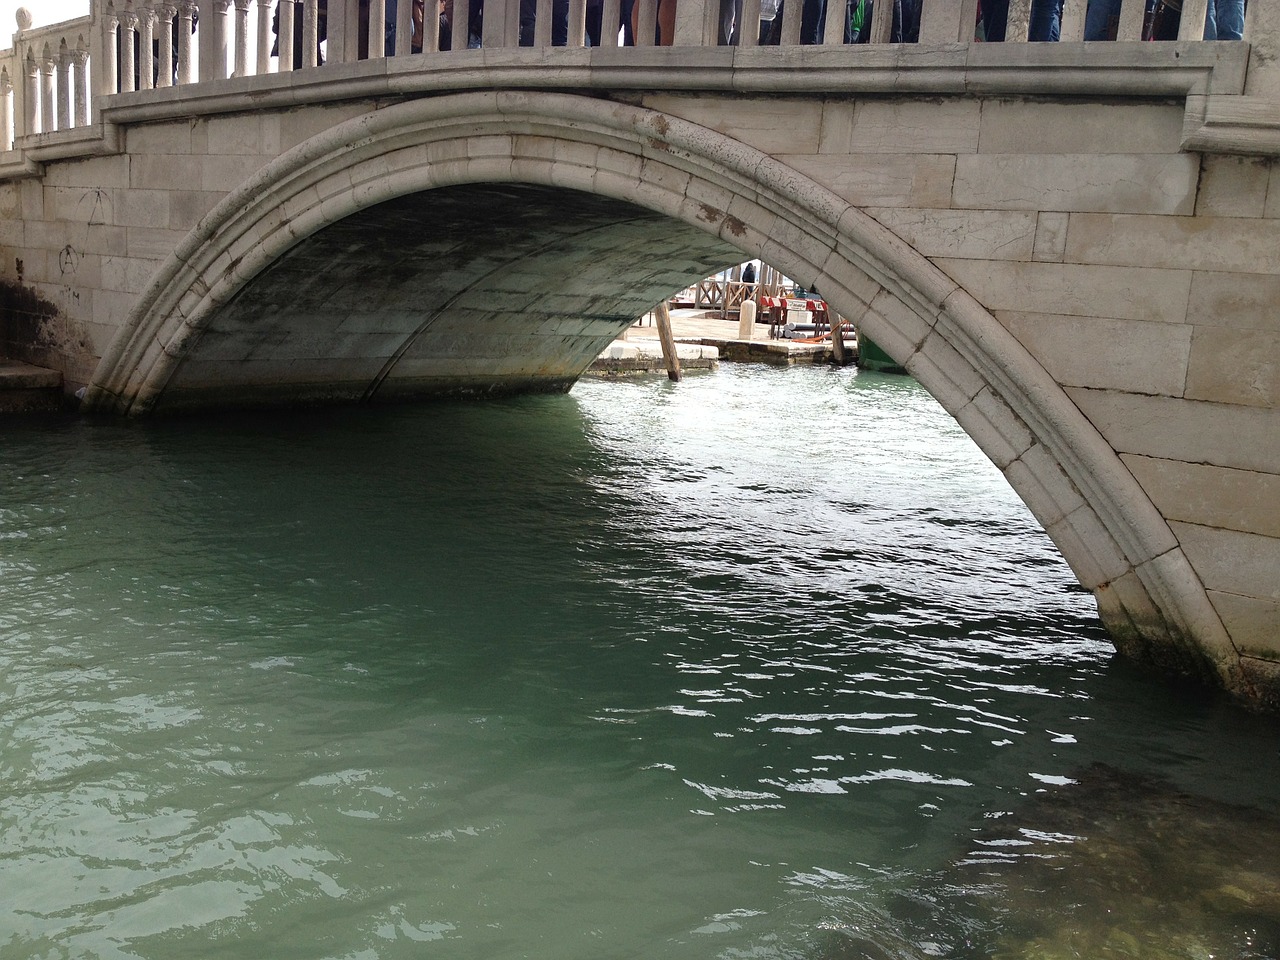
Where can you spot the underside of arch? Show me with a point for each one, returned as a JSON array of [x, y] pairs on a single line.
[[475, 288], [629, 174]]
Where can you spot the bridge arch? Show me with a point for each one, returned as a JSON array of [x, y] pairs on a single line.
[[1115, 540]]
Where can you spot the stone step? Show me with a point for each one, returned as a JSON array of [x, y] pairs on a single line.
[[26, 388]]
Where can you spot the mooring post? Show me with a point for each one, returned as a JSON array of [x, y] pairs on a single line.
[[837, 339], [746, 319], [663, 314]]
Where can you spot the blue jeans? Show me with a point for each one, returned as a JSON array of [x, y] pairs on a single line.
[[1225, 20]]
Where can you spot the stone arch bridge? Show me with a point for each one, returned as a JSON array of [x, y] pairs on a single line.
[[1075, 247]]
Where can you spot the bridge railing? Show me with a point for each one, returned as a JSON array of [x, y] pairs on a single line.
[[51, 76]]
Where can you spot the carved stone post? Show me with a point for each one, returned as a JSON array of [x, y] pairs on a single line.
[[310, 32], [213, 39], [264, 37], [378, 28], [242, 38], [80, 81], [186, 14], [63, 68], [948, 22], [128, 23], [284, 38], [6, 110], [146, 53], [31, 94], [165, 13], [48, 121], [110, 54]]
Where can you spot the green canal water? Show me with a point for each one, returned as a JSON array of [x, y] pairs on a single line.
[[767, 664]]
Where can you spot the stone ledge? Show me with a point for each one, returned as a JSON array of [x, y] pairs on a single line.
[[1239, 125]]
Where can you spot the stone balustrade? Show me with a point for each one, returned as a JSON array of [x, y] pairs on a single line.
[[51, 78]]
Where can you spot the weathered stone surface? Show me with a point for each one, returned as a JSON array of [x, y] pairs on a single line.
[[1110, 354], [1051, 237], [1074, 290], [1213, 496], [1254, 624], [1144, 183], [1202, 243], [1189, 430], [1231, 561], [1040, 127], [872, 180], [968, 234], [1235, 366], [1233, 186], [1235, 300]]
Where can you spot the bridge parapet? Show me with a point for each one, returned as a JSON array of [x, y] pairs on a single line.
[[63, 87]]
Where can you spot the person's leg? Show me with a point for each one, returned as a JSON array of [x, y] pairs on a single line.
[[1045, 24], [1227, 17], [1100, 19], [995, 15], [812, 20], [528, 14], [730, 11], [560, 23]]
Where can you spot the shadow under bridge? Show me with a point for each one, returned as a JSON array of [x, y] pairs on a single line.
[[479, 288]]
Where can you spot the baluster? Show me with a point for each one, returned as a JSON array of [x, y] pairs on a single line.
[[31, 94], [63, 68], [750, 14], [1018, 25], [836, 22], [697, 24], [242, 38], [948, 21], [146, 55], [164, 23], [541, 23], [1072, 29], [310, 32], [1191, 26], [1131, 15], [186, 20], [791, 13], [107, 76], [646, 22], [460, 27], [287, 10], [48, 122], [511, 23], [218, 68], [128, 22], [493, 24], [343, 31], [577, 36], [881, 23], [6, 110], [610, 18], [378, 26], [80, 80], [264, 37], [404, 31]]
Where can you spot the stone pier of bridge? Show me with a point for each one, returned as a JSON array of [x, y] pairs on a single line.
[[1075, 247]]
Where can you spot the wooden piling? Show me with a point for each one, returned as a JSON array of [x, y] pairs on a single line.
[[662, 312], [837, 339]]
